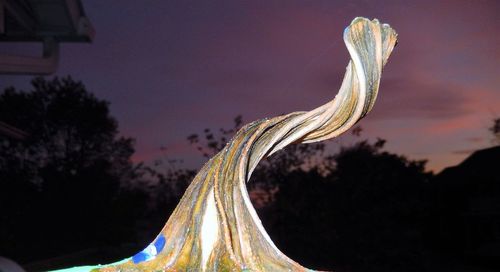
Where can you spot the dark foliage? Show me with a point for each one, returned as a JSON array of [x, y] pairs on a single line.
[[366, 215], [466, 209], [63, 187], [495, 130]]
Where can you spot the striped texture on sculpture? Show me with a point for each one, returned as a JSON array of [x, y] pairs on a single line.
[[215, 227]]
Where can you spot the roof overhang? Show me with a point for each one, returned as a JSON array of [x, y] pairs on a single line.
[[47, 21], [35, 20]]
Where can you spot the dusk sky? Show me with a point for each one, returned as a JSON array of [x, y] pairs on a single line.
[[170, 69]]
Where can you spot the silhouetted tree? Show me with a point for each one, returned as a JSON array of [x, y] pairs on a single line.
[[366, 215], [169, 181], [213, 142], [64, 187], [495, 130]]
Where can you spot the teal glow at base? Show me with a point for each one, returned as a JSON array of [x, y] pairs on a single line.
[[88, 268]]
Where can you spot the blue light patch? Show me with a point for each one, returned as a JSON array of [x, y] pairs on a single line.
[[151, 251], [141, 257], [160, 243]]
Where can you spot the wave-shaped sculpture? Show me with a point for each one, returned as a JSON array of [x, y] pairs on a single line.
[[215, 227]]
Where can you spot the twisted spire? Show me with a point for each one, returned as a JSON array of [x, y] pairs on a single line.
[[215, 227]]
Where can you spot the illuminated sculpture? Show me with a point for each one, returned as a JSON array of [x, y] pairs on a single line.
[[215, 227]]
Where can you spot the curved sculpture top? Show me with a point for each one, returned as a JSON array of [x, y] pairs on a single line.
[[215, 227]]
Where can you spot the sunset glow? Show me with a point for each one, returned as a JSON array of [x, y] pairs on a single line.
[[171, 69]]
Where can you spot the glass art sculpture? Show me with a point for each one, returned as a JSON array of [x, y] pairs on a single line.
[[215, 227]]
